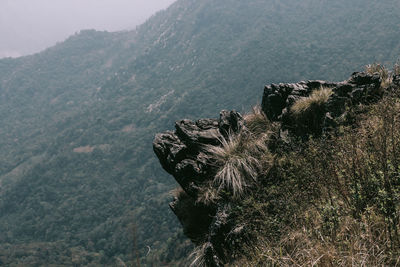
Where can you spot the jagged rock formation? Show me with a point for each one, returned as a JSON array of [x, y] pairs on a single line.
[[279, 98], [182, 155]]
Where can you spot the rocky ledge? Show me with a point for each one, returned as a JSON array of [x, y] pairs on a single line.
[[182, 155], [360, 88]]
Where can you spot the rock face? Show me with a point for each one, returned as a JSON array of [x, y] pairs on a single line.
[[182, 155], [279, 98]]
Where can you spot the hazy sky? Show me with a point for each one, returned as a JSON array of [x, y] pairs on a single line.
[[27, 26]]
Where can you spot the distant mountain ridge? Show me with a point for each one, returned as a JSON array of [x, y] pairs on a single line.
[[111, 92]]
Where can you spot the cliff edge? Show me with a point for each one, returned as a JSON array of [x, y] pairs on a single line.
[[248, 181]]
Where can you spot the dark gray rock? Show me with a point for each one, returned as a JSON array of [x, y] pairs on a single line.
[[279, 98], [181, 153], [194, 135], [336, 105], [363, 78], [396, 80], [230, 122], [170, 150], [194, 217], [275, 96]]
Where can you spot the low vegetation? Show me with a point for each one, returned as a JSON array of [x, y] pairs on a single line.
[[240, 158], [332, 200], [338, 200], [312, 103], [308, 112], [257, 122], [383, 72]]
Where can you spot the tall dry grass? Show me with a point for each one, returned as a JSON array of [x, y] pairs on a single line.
[[347, 190], [356, 244], [257, 122], [317, 99], [240, 159], [383, 72], [198, 256]]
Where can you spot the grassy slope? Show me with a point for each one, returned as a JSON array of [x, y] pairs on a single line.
[[330, 201]]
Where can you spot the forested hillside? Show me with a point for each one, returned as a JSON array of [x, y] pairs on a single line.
[[77, 172]]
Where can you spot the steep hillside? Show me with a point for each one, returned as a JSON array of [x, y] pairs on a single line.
[[309, 178], [77, 173]]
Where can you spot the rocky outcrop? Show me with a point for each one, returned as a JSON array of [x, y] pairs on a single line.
[[279, 98], [182, 155]]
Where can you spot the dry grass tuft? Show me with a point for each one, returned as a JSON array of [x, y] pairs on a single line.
[[376, 68], [317, 99], [207, 195], [178, 193], [241, 159], [198, 256], [383, 73], [257, 122]]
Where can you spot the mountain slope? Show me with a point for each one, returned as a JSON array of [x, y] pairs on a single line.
[[308, 178], [78, 119]]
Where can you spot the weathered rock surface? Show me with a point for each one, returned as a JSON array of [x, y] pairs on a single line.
[[181, 154], [279, 98]]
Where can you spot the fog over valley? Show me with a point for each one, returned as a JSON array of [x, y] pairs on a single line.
[[29, 26]]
